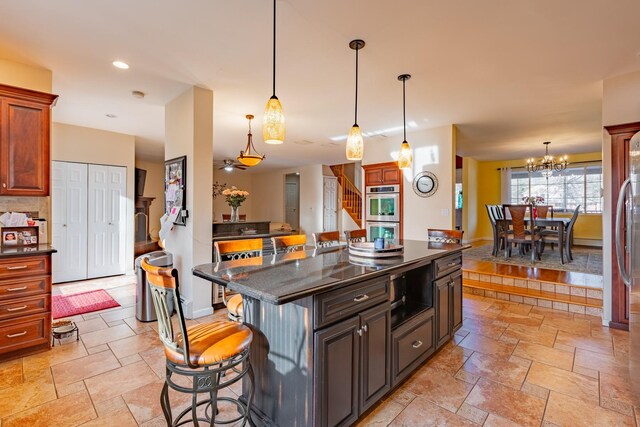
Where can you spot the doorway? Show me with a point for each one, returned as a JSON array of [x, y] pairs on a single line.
[[292, 201], [330, 204]]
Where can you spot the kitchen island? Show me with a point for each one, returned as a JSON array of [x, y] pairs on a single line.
[[333, 334]]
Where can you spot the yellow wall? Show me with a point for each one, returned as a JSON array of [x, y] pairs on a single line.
[[487, 176], [26, 76]]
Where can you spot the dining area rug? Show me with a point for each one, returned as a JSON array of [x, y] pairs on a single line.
[[585, 259]]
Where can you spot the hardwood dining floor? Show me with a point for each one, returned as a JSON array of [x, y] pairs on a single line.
[[511, 364]]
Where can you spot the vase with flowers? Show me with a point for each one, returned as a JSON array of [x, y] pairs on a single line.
[[234, 198], [533, 200]]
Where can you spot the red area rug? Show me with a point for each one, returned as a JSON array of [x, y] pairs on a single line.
[[83, 302]]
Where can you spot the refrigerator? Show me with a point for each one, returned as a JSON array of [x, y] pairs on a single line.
[[627, 241]]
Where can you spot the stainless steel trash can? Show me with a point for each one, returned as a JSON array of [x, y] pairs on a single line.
[[145, 310]]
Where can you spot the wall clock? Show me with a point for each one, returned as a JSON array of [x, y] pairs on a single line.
[[425, 184]]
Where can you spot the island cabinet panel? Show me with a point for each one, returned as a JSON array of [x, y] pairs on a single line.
[[352, 366], [443, 304], [449, 303], [375, 354], [335, 305], [25, 122], [337, 371], [412, 344]]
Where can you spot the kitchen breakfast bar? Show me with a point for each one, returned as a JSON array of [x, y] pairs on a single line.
[[334, 333]]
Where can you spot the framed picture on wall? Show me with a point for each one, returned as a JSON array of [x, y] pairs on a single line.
[[175, 188]]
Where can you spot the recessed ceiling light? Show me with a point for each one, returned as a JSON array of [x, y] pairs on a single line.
[[121, 64], [111, 116]]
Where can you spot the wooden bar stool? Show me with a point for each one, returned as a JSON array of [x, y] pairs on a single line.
[[354, 236], [286, 244], [204, 353], [444, 236], [228, 250], [326, 239]]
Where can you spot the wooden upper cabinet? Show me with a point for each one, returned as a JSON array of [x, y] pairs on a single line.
[[25, 122], [382, 174]]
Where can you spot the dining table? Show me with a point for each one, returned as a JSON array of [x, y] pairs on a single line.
[[560, 224]]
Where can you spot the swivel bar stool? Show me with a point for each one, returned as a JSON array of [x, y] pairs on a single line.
[[204, 353]]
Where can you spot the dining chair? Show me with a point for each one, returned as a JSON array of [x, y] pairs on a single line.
[[497, 240], [326, 239], [544, 210], [354, 236], [227, 250], [521, 235], [444, 236], [286, 244], [553, 236], [204, 354]]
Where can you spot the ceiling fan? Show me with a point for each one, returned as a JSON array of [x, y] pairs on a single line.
[[229, 165]]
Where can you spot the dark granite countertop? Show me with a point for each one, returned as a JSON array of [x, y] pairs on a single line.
[[241, 222], [12, 251], [283, 278]]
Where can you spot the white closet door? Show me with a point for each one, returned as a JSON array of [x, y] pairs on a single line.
[[107, 220], [69, 221]]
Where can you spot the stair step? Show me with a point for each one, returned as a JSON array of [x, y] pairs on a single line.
[[565, 302]]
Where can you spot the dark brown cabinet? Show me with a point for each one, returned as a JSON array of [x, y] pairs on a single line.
[[382, 174], [443, 301], [449, 305], [352, 365], [412, 343], [25, 122]]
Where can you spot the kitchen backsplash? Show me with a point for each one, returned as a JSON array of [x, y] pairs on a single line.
[[26, 204]]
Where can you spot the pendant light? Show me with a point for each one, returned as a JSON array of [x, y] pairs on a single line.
[[273, 129], [355, 143], [405, 158], [250, 157]]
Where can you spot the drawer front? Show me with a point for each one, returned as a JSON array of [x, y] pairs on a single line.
[[24, 332], [342, 303], [19, 288], [10, 309], [448, 264], [25, 266], [412, 343]]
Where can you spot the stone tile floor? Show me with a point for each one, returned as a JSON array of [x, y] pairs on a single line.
[[511, 364]]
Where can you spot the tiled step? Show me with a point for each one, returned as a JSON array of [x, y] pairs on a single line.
[[572, 299]]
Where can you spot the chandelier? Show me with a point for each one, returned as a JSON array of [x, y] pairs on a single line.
[[547, 165], [249, 157]]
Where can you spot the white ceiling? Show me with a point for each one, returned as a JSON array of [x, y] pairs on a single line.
[[510, 74]]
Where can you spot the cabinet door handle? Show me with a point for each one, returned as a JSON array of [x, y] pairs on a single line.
[[19, 334], [452, 264], [17, 308], [17, 267], [4, 185], [365, 328], [22, 288], [361, 298], [359, 331], [417, 344]]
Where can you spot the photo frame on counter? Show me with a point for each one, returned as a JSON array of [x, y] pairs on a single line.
[[19, 236], [175, 188]]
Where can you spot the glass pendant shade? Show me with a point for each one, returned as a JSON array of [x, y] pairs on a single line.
[[249, 160], [355, 144], [405, 158], [273, 129]]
